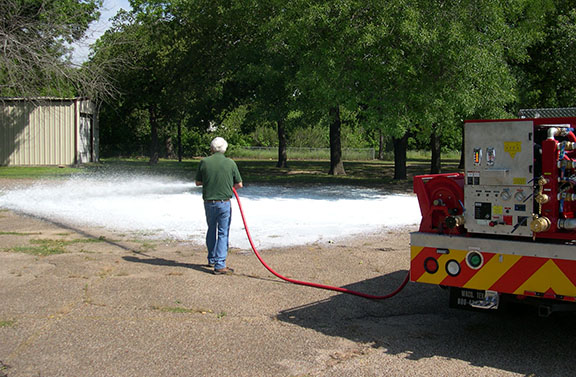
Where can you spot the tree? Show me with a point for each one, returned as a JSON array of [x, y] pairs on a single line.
[[547, 78], [34, 57], [326, 42], [151, 43], [447, 60], [420, 66], [183, 64], [262, 74]]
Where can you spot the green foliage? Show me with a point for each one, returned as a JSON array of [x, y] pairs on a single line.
[[264, 136], [230, 128], [237, 68], [124, 131], [547, 79], [310, 137], [195, 143]]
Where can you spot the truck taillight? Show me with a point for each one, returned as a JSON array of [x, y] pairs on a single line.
[[431, 265]]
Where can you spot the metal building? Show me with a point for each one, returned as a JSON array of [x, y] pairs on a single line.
[[48, 131]]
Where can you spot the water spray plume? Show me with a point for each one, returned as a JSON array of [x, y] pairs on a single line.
[[168, 208]]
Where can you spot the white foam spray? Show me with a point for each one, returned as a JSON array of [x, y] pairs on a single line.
[[162, 207]]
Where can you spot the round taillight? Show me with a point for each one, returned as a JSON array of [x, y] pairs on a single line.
[[453, 267], [431, 265], [474, 260]]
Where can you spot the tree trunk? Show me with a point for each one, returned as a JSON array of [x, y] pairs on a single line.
[[462, 151], [381, 145], [400, 148], [435, 146], [180, 141], [282, 146], [336, 163], [154, 142]]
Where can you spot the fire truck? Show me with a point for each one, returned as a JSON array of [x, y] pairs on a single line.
[[504, 230]]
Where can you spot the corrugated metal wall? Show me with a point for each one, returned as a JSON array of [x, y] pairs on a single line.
[[38, 132]]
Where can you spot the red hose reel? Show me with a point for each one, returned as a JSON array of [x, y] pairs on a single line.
[[441, 198]]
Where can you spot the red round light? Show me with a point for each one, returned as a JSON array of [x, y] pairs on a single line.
[[431, 265]]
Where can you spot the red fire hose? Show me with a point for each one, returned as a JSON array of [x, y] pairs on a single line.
[[315, 285]]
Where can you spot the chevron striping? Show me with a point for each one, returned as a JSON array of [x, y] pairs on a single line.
[[568, 268], [518, 274], [546, 278], [493, 269]]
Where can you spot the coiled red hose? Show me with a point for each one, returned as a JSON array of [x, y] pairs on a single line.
[[314, 285]]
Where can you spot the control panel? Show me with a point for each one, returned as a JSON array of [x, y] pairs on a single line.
[[498, 185]]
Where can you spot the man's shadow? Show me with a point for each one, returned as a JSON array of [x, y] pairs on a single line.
[[155, 261]]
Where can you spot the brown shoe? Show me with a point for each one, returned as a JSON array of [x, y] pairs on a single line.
[[223, 271]]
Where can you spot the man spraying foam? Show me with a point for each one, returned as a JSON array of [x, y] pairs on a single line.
[[217, 175]]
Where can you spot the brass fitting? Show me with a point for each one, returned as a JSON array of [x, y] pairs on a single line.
[[542, 198], [542, 181], [540, 224], [454, 221]]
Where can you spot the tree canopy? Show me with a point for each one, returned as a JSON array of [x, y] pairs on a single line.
[[407, 69]]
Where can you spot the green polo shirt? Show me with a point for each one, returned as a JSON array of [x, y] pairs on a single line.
[[218, 174]]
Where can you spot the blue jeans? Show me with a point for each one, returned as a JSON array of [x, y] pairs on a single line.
[[218, 216]]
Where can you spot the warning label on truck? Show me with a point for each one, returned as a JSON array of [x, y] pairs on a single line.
[[512, 147]]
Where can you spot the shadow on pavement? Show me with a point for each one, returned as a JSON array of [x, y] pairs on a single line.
[[417, 324], [168, 263]]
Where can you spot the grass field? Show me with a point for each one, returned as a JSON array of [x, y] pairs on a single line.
[[366, 173], [306, 154]]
